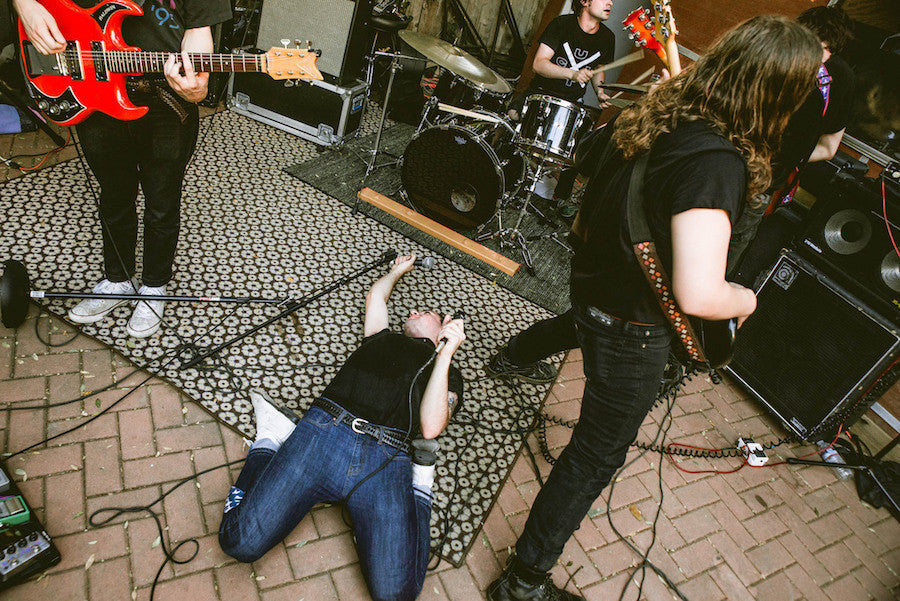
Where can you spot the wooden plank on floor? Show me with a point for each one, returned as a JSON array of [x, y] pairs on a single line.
[[441, 232]]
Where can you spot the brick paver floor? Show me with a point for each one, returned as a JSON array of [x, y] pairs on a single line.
[[761, 533]]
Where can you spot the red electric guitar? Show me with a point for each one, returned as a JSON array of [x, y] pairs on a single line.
[[91, 73]]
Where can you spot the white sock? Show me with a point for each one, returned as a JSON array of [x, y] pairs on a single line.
[[270, 422], [423, 476]]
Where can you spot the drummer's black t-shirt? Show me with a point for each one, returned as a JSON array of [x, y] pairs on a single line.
[[574, 49]]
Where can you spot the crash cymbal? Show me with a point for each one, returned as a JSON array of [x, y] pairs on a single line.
[[456, 60]]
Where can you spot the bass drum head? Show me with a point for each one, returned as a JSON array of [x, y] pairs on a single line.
[[452, 176]]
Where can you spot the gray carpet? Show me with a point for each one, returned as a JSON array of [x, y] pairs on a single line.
[[249, 229], [339, 173]]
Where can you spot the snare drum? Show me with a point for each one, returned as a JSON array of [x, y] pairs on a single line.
[[456, 175], [550, 126]]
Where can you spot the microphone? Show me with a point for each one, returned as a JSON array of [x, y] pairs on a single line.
[[423, 262], [457, 315]]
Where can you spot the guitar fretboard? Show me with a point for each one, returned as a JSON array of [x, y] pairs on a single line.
[[129, 61]]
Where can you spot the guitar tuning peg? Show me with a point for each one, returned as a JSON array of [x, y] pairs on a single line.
[[289, 83], [297, 44], [285, 42], [308, 46]]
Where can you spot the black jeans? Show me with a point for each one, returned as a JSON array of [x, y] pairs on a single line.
[[623, 363], [152, 151], [544, 338]]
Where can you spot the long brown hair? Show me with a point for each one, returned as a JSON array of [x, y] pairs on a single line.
[[746, 86]]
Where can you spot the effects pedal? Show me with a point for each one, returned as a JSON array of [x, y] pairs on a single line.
[[25, 547], [752, 451]]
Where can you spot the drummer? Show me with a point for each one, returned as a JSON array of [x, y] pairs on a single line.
[[572, 49]]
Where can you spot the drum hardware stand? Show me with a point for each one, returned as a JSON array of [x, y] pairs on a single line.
[[513, 236], [427, 108], [374, 152]]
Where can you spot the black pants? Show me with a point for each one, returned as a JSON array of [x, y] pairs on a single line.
[[544, 338], [152, 151]]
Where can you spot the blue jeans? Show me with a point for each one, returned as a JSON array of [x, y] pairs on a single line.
[[321, 462], [623, 364]]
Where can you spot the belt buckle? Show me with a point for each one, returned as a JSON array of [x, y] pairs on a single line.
[[356, 426]]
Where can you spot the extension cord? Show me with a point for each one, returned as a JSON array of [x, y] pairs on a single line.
[[752, 452]]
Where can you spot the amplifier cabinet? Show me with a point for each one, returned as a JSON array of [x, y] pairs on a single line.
[[848, 237], [336, 27], [812, 353], [324, 113]]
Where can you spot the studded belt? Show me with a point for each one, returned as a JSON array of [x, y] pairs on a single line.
[[389, 436]]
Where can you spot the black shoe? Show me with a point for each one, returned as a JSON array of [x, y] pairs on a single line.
[[539, 372], [510, 587], [424, 451]]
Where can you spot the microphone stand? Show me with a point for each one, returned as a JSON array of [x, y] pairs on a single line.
[[293, 305]]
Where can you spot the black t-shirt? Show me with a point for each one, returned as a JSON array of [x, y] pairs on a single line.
[[833, 96], [374, 381], [692, 167], [164, 22], [574, 49]]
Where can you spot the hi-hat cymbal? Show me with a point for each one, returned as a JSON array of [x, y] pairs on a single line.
[[456, 60]]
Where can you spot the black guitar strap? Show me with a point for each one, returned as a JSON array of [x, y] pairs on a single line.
[[645, 251]]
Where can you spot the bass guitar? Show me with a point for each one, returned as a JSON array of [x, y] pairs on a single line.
[[91, 73]]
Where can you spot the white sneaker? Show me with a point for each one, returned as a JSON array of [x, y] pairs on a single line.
[[270, 422], [147, 315], [91, 310]]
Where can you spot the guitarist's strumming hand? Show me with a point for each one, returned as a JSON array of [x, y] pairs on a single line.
[[189, 85], [40, 26]]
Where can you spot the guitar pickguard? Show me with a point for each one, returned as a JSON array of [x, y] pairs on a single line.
[[61, 108], [105, 12]]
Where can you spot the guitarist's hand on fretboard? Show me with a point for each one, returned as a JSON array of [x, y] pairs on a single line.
[[180, 74]]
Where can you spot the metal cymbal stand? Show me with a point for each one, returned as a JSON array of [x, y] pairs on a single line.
[[371, 165]]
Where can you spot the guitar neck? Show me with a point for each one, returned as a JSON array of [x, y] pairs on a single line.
[[672, 57], [127, 61]]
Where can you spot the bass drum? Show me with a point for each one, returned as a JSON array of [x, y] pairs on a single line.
[[456, 175]]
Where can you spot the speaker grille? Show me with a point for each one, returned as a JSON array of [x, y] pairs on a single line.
[[327, 25], [847, 235], [809, 351]]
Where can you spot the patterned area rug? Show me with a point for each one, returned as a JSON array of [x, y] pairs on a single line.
[[249, 229], [339, 173]]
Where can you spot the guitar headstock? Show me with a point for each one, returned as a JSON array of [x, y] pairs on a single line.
[[293, 63], [665, 21], [666, 32], [655, 31], [639, 26]]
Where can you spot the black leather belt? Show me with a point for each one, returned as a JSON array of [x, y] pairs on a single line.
[[389, 436]]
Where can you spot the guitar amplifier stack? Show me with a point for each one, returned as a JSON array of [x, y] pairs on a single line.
[[325, 112], [823, 344]]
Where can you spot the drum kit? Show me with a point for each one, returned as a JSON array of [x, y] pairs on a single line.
[[468, 161]]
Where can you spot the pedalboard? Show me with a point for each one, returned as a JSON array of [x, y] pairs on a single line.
[[25, 547]]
